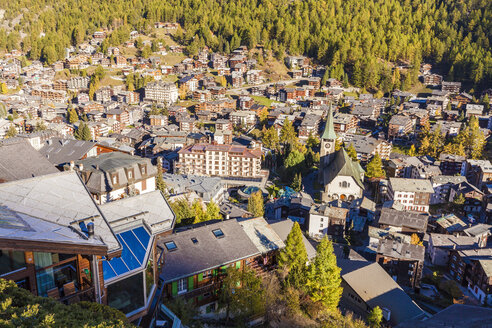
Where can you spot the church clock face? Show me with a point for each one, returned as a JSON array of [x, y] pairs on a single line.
[[328, 146]]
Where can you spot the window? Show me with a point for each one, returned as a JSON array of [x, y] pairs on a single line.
[[321, 225], [11, 261], [182, 286], [143, 169], [194, 240], [218, 233], [127, 295], [115, 179], [130, 174], [171, 246]]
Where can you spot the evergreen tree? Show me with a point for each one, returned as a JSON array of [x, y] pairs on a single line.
[[486, 102], [293, 258], [459, 199], [324, 279], [297, 182], [83, 132], [375, 317], [352, 152], [374, 169], [411, 151], [255, 204]]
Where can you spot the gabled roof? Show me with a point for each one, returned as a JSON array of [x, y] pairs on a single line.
[[19, 160], [329, 132], [376, 288], [343, 165], [261, 234], [208, 253], [60, 199], [283, 228], [60, 151]]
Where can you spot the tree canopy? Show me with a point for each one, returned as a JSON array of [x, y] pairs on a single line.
[[20, 308]]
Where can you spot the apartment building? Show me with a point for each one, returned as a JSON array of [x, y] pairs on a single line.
[[220, 160], [159, 91], [413, 194]]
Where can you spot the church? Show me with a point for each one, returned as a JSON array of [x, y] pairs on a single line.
[[340, 176]]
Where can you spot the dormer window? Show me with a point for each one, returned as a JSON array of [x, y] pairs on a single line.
[[114, 178], [130, 174], [143, 169]]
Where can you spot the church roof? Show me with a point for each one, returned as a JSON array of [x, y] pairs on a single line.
[[343, 165], [329, 132]]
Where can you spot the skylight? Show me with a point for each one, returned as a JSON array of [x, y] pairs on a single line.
[[218, 233], [136, 245], [171, 246], [194, 240]]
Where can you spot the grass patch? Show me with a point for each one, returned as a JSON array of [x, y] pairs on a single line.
[[351, 94], [172, 59], [263, 100]]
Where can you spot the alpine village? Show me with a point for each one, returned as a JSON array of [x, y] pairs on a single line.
[[245, 163]]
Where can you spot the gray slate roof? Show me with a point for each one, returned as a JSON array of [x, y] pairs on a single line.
[[376, 288], [261, 234], [59, 198], [400, 250], [19, 160], [406, 219], [209, 253], [61, 151]]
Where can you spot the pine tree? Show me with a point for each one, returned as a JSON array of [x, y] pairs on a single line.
[[255, 204], [374, 168], [486, 102], [83, 132], [293, 258], [297, 182], [459, 199], [352, 152], [375, 317], [324, 279]]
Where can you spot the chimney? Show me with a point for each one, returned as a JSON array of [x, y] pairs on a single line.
[[90, 229], [72, 165], [81, 167]]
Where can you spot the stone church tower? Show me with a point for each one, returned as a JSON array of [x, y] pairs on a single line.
[[327, 146]]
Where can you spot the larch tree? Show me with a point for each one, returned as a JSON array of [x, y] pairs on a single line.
[[287, 133], [293, 258], [352, 152], [374, 168], [323, 284], [375, 317], [213, 211], [256, 205]]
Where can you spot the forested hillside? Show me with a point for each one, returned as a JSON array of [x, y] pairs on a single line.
[[356, 38]]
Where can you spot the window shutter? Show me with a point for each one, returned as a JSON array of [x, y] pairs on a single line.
[[200, 277], [238, 264], [175, 288], [215, 272], [190, 283]]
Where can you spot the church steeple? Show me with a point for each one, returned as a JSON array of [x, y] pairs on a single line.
[[329, 132], [327, 147]]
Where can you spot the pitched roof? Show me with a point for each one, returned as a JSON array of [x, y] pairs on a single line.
[[19, 160], [283, 228], [261, 234], [208, 253], [411, 185], [456, 315], [59, 198], [150, 208], [329, 132], [400, 250], [380, 290], [60, 151], [407, 219], [343, 165]]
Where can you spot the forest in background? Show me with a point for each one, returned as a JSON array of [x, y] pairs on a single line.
[[359, 40]]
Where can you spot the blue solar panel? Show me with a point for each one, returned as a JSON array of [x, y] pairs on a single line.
[[136, 244], [127, 256], [142, 235], [108, 272]]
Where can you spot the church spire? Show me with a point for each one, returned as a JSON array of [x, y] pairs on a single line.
[[329, 132]]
